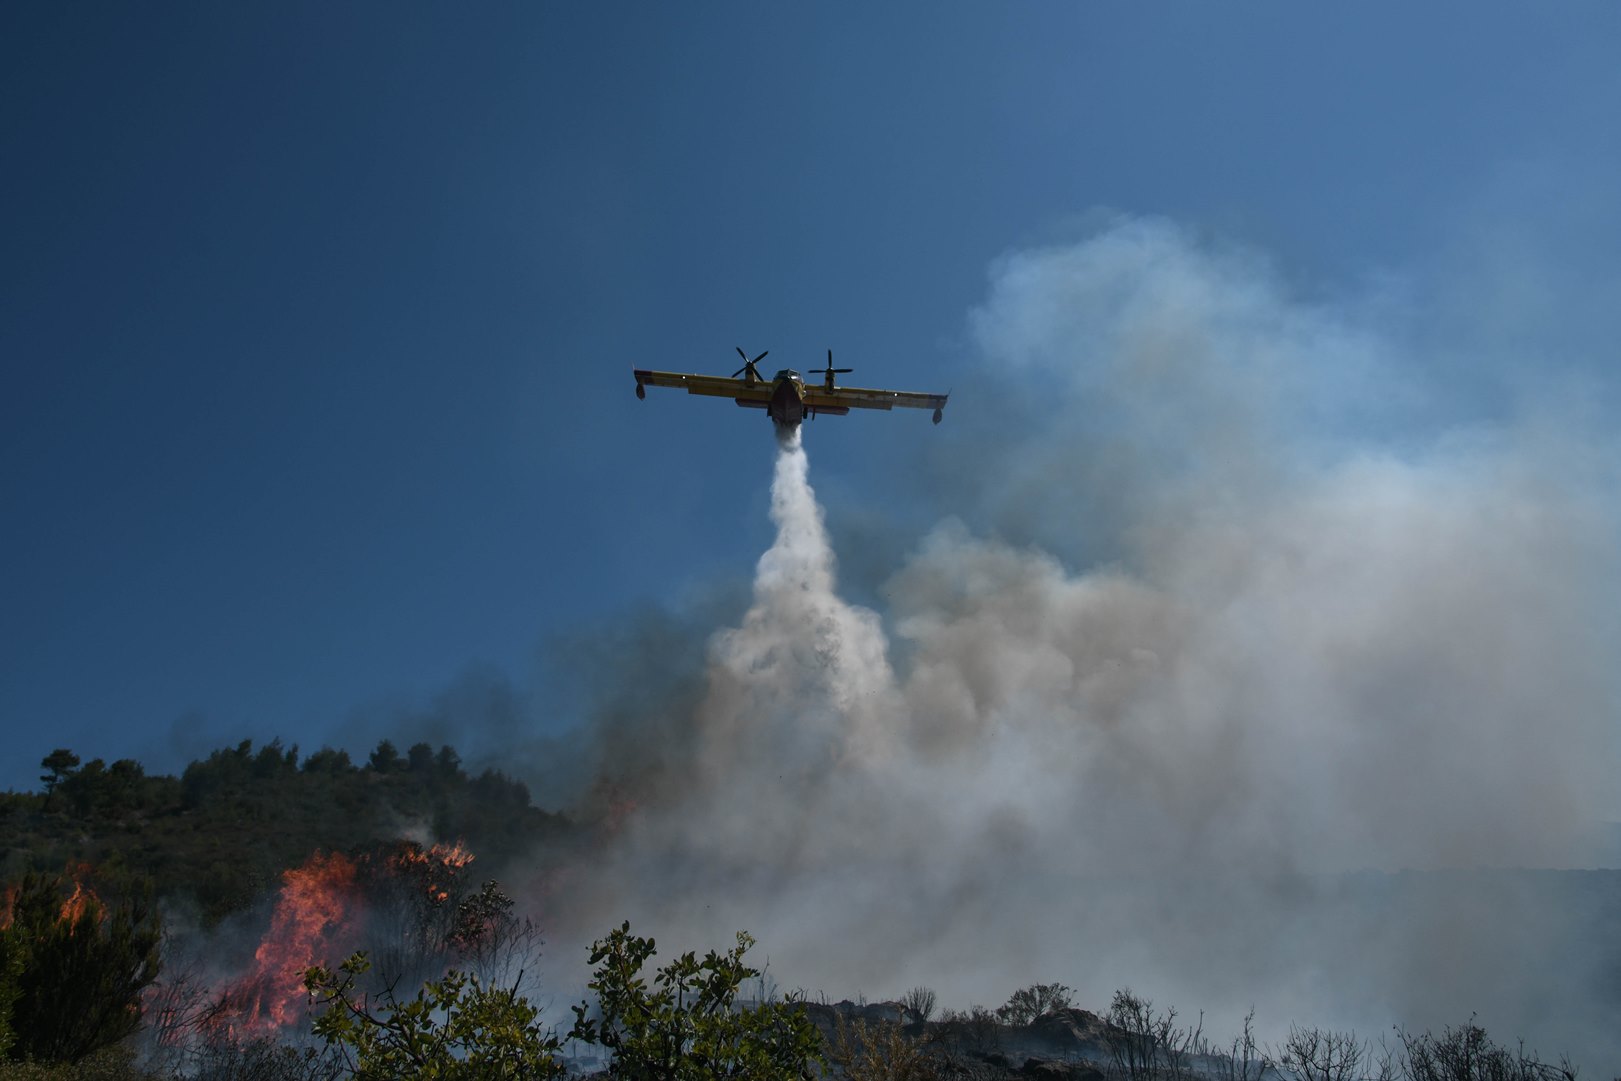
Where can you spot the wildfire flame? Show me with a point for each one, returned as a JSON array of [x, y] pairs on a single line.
[[82, 903], [318, 916], [437, 866], [313, 913]]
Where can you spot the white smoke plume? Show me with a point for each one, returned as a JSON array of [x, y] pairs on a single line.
[[1314, 653]]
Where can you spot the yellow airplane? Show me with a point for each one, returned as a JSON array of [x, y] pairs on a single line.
[[786, 398]]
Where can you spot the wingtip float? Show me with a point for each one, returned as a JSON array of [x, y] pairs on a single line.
[[787, 399]]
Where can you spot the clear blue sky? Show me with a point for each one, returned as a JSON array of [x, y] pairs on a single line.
[[316, 320]]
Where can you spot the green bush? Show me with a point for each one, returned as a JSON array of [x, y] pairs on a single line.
[[454, 1029], [82, 970], [687, 1026]]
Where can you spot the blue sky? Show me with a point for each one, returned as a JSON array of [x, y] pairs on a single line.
[[316, 322]]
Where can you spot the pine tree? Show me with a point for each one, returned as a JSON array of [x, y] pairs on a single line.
[[58, 765]]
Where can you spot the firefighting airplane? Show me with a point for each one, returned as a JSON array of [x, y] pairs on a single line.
[[786, 398]]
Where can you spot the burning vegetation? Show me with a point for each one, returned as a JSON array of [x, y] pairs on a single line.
[[315, 910], [396, 960], [72, 967], [292, 854], [409, 904]]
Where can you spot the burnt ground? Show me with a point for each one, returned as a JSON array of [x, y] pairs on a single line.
[[1065, 1045]]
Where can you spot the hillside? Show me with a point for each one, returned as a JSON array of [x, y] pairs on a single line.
[[220, 834]]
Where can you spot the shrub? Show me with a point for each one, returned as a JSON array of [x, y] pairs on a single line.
[[880, 1052], [1037, 1000], [454, 1029], [687, 1026], [82, 969], [1466, 1053], [919, 1002]]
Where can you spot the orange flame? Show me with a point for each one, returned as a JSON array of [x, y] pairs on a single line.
[[317, 916], [78, 906], [438, 866], [311, 915], [81, 904]]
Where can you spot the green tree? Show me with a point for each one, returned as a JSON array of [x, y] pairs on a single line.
[[326, 760], [274, 761], [85, 788], [84, 966], [126, 781], [223, 773], [100, 790], [419, 758], [454, 1029], [499, 792], [686, 1026], [386, 758], [58, 765]]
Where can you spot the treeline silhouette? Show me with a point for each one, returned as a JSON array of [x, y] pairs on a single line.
[[220, 834]]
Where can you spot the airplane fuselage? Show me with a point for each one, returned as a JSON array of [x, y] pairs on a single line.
[[787, 408]]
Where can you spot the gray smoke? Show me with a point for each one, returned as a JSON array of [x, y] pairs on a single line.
[[1312, 652]]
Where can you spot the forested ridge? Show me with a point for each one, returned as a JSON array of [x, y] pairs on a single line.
[[220, 834]]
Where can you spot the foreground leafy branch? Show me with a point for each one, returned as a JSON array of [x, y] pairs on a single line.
[[454, 1029], [686, 1025]]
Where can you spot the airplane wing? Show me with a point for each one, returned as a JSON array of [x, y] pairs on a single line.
[[757, 393], [823, 399]]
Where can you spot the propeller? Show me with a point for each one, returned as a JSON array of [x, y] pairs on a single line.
[[749, 365], [831, 371]]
